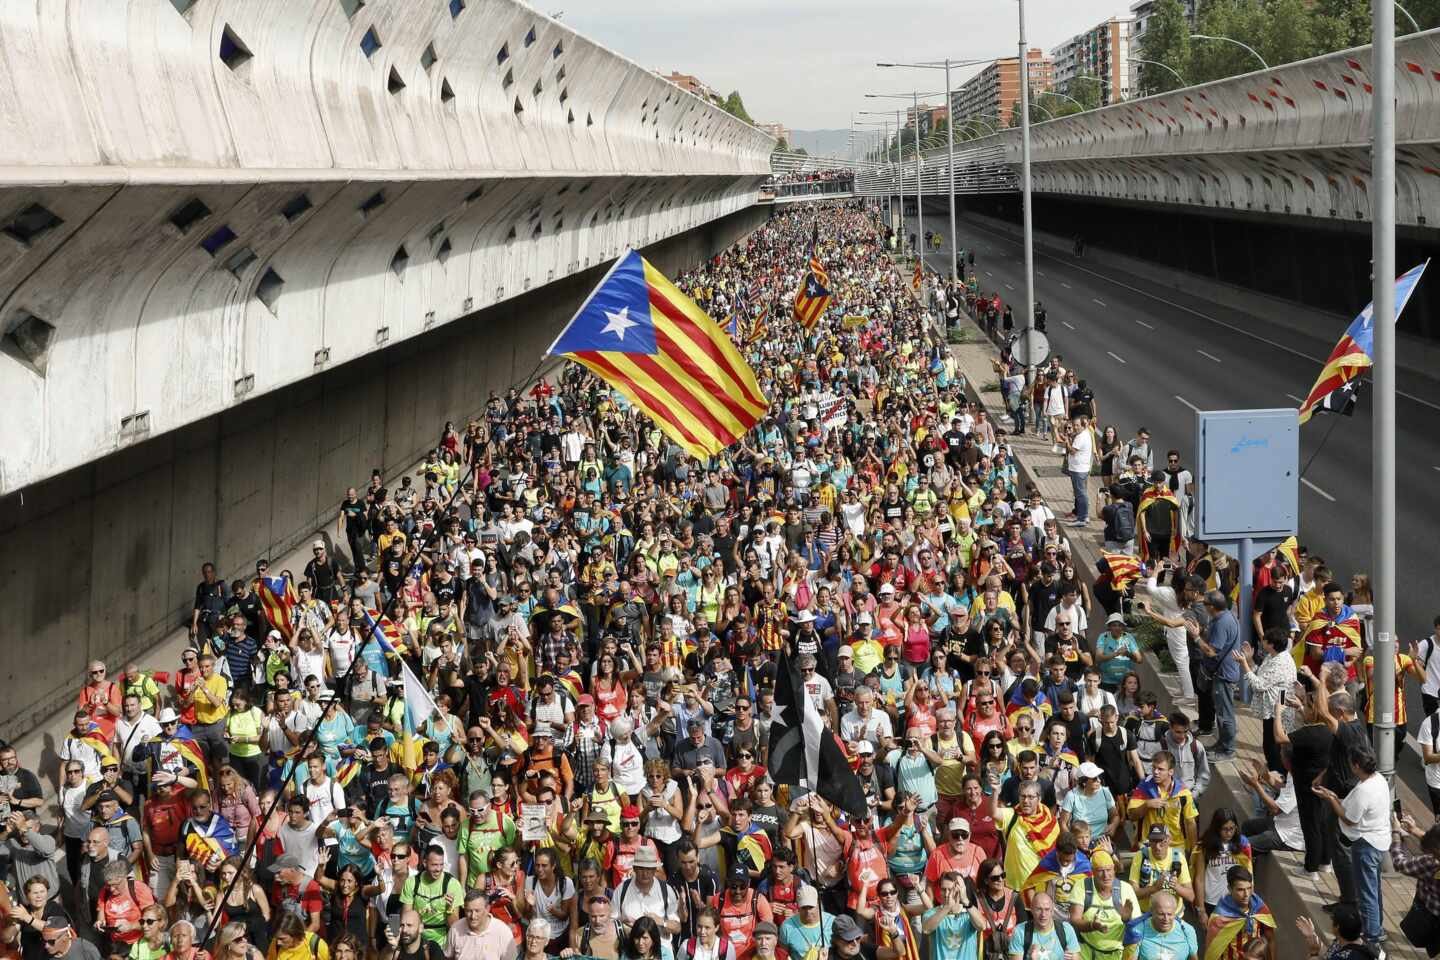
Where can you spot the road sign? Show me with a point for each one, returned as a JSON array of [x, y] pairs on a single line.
[[1247, 476], [1031, 347]]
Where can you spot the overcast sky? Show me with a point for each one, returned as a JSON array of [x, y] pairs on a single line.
[[808, 63]]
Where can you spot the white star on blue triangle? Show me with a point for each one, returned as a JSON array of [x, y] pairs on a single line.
[[616, 317]]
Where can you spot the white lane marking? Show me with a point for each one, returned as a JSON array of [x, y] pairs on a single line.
[[1040, 273], [1435, 468], [1210, 356], [1116, 356], [1068, 324], [1145, 325], [1235, 328], [1097, 300], [1064, 284], [989, 274], [1317, 489], [1009, 286], [1302, 400], [1187, 403]]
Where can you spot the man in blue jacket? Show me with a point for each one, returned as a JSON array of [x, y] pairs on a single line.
[[1220, 641]]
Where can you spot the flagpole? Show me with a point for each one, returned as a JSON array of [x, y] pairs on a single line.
[[1334, 422], [1382, 160]]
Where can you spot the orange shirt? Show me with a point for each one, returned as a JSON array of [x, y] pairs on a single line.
[[1404, 664]]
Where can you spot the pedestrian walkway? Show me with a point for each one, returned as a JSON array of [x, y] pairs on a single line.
[[1281, 877]]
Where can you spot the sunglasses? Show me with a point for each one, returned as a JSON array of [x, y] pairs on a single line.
[[150, 921], [629, 823], [996, 876]]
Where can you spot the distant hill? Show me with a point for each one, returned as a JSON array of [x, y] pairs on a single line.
[[824, 143]]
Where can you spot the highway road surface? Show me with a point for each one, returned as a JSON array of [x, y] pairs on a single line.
[[1154, 355]]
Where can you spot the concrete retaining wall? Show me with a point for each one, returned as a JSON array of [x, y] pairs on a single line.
[[102, 561]]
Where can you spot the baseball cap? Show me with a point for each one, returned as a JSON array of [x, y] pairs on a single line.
[[886, 589], [1116, 617], [738, 872], [846, 928], [845, 651], [864, 748], [1101, 858], [959, 823], [1089, 771], [585, 698], [765, 928], [318, 545], [807, 897], [1158, 831]]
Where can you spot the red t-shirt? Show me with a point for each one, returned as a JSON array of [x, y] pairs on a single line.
[[306, 896], [123, 906]]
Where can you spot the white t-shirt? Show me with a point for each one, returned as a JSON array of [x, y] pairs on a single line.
[[662, 825], [325, 798], [1287, 821], [1368, 805], [1428, 736], [1055, 401], [632, 903], [1078, 461], [564, 889], [1078, 621], [1431, 686], [876, 728], [341, 647], [817, 688], [854, 516]]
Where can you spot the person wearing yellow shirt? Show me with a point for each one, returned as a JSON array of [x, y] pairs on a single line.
[[1157, 866], [211, 698]]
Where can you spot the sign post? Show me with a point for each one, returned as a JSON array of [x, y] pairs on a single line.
[[1247, 486]]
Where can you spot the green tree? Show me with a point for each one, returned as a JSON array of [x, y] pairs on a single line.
[[1167, 41], [735, 106], [1289, 32]]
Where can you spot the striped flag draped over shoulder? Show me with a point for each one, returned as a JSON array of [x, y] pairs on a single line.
[[803, 748], [642, 336]]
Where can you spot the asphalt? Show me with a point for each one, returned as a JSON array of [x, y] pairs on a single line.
[[1154, 355]]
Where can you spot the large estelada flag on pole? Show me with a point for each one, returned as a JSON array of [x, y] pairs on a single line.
[[640, 334], [1355, 351], [803, 749], [813, 297]]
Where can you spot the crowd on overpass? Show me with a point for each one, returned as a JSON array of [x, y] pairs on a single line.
[[811, 183], [599, 620]]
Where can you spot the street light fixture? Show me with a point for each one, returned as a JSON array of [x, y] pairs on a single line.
[[1245, 46], [1155, 63], [919, 162], [950, 147]]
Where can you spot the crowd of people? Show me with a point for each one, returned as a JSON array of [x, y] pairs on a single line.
[[811, 182], [599, 620]]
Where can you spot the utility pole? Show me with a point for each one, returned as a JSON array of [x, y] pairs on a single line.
[[950, 150], [1025, 175], [1382, 172], [919, 190]]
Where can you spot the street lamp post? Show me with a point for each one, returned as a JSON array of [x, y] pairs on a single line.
[[1246, 46], [950, 145], [1025, 176], [1382, 172], [914, 97]]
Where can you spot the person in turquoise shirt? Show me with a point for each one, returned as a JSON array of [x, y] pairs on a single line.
[[1116, 652], [953, 926], [805, 935], [1161, 935], [1041, 933]]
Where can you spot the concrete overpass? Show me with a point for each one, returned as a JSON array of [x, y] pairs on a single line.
[[1291, 140], [251, 250]]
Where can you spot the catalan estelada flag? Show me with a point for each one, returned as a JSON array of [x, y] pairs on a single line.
[[1050, 868], [759, 327], [812, 299], [1356, 348], [919, 276], [1232, 926], [277, 599], [640, 334], [1157, 493]]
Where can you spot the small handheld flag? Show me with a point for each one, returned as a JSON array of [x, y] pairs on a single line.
[[642, 336], [1356, 348]]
